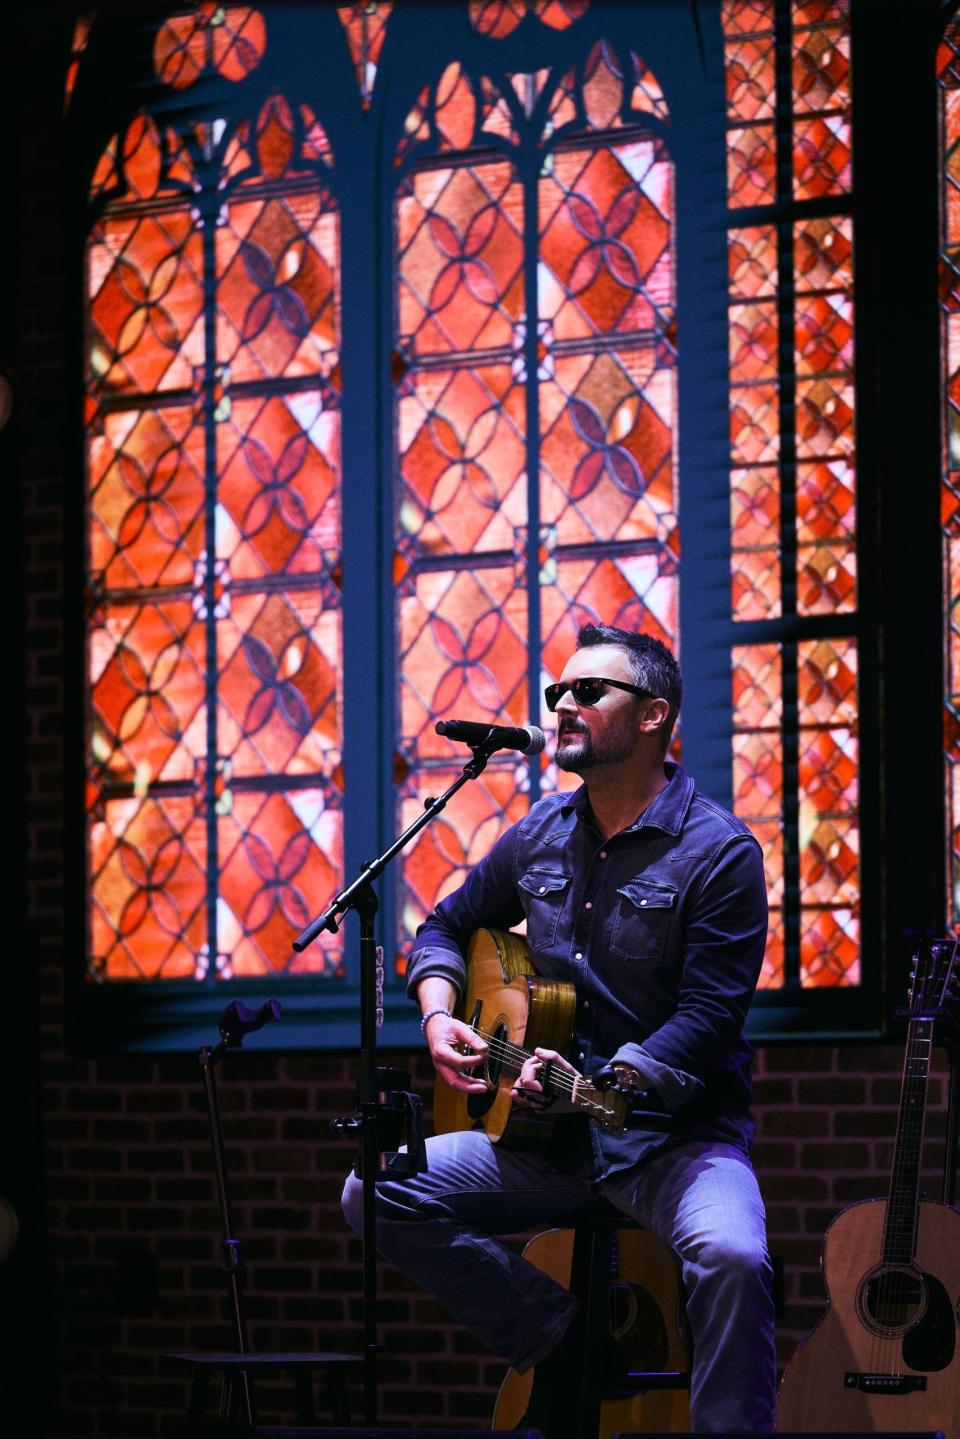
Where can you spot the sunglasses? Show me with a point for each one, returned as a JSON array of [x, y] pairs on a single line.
[[587, 690]]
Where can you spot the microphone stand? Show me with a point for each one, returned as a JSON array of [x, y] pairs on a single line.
[[381, 1116]]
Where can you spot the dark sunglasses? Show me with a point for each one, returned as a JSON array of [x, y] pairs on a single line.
[[587, 690]]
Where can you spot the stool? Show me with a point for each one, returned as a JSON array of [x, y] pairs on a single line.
[[243, 1368], [628, 1284]]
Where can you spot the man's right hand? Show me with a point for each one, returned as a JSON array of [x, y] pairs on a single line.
[[447, 1039]]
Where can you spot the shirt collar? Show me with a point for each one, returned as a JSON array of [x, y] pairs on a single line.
[[667, 811]]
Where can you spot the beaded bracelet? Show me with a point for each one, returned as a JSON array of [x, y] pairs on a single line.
[[427, 1017]]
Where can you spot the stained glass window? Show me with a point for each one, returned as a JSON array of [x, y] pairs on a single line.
[[948, 69], [793, 474], [365, 26], [536, 412], [511, 459], [214, 652]]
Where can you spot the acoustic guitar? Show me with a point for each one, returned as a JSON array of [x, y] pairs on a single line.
[[517, 1011], [645, 1319], [884, 1355]]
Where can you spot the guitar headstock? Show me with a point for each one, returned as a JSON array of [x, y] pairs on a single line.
[[934, 991]]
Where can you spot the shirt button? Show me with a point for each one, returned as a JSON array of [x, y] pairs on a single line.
[[578, 955], [543, 890], [603, 854], [589, 904], [642, 903], [586, 1004], [581, 1056]]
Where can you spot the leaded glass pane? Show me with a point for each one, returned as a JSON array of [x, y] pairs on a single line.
[[821, 100], [593, 358], [213, 482], [758, 777], [793, 455], [365, 26], [948, 73], [829, 825], [499, 18]]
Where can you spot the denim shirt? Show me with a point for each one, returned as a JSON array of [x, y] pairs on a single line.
[[661, 931]]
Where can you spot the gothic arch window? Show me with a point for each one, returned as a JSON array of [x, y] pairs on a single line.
[[214, 648], [535, 414], [402, 360]]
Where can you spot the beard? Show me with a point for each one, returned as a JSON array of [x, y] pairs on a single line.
[[578, 750]]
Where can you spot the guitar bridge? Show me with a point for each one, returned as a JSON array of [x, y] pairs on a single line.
[[884, 1383]]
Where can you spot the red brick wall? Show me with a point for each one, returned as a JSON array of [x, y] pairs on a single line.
[[112, 1164], [134, 1228]]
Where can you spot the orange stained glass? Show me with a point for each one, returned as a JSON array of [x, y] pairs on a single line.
[[147, 866], [145, 302], [278, 853], [460, 252], [213, 482], [81, 34], [463, 474], [948, 76], [829, 822], [606, 241], [821, 100], [277, 313], [146, 497], [278, 495], [758, 778], [749, 55], [826, 488], [607, 449], [594, 357], [227, 40], [462, 635], [278, 670], [444, 853], [365, 27], [147, 676], [754, 479], [499, 18]]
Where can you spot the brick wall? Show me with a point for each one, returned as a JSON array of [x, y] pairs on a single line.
[[110, 1163], [133, 1226]]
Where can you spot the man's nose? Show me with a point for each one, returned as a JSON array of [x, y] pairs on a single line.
[[567, 702]]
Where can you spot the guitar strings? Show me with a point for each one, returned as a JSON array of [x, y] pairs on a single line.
[[513, 1056]]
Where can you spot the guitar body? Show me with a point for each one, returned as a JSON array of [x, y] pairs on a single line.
[[920, 1359], [645, 1317], [516, 1006]]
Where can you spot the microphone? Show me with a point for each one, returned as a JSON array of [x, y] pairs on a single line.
[[529, 739]]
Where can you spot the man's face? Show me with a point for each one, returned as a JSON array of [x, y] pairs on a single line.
[[604, 733]]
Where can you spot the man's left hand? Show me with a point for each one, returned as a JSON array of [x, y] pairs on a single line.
[[530, 1078]]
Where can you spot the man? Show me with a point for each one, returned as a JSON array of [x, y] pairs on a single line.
[[649, 899]]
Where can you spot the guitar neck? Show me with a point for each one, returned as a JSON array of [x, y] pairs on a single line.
[[900, 1225], [607, 1106]]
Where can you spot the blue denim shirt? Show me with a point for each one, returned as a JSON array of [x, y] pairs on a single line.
[[661, 930]]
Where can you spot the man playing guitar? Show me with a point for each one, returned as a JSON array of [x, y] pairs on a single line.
[[650, 900]]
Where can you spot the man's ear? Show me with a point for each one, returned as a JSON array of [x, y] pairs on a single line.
[[655, 715]]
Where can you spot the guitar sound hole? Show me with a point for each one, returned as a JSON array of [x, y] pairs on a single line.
[[892, 1299], [479, 1105]]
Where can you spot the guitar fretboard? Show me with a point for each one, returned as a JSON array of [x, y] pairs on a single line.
[[900, 1227]]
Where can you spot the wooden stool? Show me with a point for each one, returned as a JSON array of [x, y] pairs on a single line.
[[234, 1368], [628, 1284]]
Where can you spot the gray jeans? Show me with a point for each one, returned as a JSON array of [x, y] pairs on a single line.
[[702, 1198]]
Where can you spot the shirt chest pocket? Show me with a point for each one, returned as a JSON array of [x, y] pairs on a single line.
[[642, 918], [542, 895]]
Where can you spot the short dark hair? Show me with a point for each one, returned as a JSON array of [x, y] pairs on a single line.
[[654, 665]]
